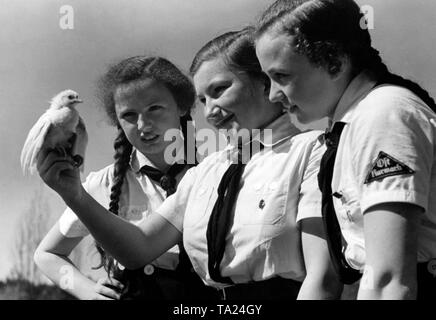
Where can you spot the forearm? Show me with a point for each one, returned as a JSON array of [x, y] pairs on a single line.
[[321, 281], [386, 287], [391, 245], [320, 288], [121, 239], [64, 274]]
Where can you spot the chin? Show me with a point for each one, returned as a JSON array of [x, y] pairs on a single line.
[[151, 148], [303, 120]]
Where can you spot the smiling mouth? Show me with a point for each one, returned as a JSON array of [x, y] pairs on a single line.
[[149, 137], [224, 120], [289, 107]]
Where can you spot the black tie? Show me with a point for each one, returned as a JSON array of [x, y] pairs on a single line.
[[346, 273], [166, 180], [219, 221]]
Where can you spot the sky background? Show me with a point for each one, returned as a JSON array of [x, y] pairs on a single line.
[[38, 59]]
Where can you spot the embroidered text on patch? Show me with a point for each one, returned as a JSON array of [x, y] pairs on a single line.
[[385, 166]]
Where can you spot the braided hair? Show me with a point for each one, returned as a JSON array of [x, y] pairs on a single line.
[[326, 30], [123, 149], [130, 71]]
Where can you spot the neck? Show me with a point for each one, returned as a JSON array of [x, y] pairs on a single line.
[[343, 85], [159, 161], [278, 112]]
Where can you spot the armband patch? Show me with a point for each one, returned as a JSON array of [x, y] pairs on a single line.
[[385, 166]]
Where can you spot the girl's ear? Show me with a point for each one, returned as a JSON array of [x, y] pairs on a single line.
[[341, 68]]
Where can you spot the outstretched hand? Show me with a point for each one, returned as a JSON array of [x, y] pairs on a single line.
[[60, 172]]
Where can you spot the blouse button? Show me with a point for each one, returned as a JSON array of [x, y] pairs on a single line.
[[273, 186], [431, 267], [257, 186], [149, 269]]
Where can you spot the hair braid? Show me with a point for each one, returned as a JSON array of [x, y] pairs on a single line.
[[375, 64], [123, 150]]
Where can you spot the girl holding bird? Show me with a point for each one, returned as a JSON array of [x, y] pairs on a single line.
[[143, 97]]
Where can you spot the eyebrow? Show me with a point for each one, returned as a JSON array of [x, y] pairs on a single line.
[[216, 81]]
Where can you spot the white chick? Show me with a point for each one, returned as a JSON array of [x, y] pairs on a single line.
[[59, 128]]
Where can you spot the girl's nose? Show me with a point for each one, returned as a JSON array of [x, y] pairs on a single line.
[[144, 123], [275, 94], [211, 108]]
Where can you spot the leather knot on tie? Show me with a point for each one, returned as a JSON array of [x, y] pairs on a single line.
[[166, 180], [332, 137], [168, 183]]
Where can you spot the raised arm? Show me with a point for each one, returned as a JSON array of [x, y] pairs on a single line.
[[131, 245]]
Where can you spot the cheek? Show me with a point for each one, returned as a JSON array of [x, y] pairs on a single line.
[[239, 101], [311, 89], [131, 133], [128, 128], [167, 120]]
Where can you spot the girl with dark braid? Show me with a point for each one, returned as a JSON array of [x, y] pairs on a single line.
[[144, 97], [378, 174]]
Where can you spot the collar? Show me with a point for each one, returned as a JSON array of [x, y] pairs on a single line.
[[272, 134], [138, 160], [360, 86]]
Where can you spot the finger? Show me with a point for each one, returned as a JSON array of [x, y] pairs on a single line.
[[44, 157], [57, 167], [108, 292], [101, 297], [113, 282], [52, 157], [47, 158], [58, 173]]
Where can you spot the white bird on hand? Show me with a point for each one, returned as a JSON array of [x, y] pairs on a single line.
[[59, 128]]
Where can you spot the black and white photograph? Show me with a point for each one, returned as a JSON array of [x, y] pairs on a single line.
[[212, 158]]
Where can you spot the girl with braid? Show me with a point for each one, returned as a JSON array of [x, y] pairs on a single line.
[[244, 217], [378, 175], [144, 97]]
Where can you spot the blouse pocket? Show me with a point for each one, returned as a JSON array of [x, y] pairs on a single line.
[[199, 204], [261, 204]]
